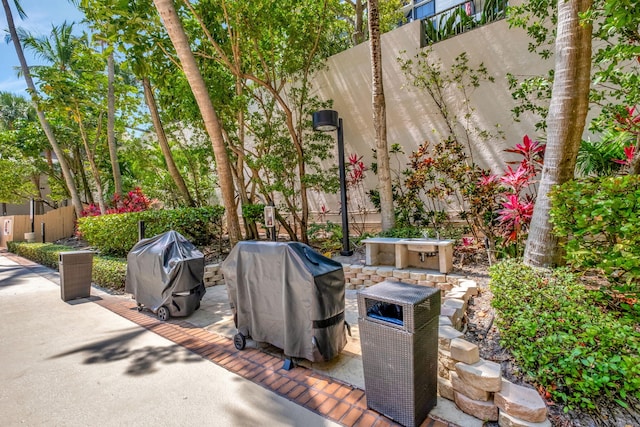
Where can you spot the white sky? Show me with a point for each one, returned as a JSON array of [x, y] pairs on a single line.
[[41, 14]]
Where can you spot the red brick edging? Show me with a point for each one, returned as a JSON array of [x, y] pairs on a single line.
[[323, 395]]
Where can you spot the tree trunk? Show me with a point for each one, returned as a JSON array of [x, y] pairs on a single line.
[[180, 42], [91, 158], [111, 126], [164, 143], [250, 227], [66, 172], [565, 123], [358, 33], [83, 182], [380, 119]]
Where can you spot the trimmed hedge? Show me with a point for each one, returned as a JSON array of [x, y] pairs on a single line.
[[108, 272], [46, 254], [116, 234], [562, 338]]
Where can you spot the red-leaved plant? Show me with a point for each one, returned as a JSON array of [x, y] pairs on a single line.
[[356, 194], [518, 194], [630, 124], [133, 201]]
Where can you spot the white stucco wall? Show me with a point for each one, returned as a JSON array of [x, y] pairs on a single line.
[[411, 116]]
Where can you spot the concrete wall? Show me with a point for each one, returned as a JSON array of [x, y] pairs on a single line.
[[411, 116]]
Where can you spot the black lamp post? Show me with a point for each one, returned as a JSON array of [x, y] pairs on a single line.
[[327, 121]]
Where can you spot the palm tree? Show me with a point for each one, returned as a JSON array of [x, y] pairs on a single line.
[[565, 121], [111, 124], [380, 119], [13, 108], [66, 52], [180, 42], [174, 172], [66, 172], [132, 28]]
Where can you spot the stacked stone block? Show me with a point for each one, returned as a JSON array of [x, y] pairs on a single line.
[[474, 384], [213, 275], [358, 276]]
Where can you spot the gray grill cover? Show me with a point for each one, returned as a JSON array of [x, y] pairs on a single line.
[[162, 266], [288, 295]]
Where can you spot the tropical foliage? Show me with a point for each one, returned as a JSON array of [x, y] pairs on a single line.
[[116, 234], [600, 223], [562, 337]]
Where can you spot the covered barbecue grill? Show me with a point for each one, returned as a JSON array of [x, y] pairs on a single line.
[[287, 295], [165, 274]]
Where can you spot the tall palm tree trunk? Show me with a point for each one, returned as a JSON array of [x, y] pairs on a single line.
[[565, 123], [180, 42], [90, 155], [111, 125], [66, 172], [380, 120], [178, 180]]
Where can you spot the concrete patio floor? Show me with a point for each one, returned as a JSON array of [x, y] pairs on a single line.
[[215, 315]]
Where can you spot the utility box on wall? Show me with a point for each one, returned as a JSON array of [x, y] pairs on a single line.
[[75, 274]]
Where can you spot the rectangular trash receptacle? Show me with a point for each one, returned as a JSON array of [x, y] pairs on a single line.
[[75, 274], [399, 339]]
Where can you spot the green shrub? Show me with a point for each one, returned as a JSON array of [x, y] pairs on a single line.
[[600, 220], [46, 254], [108, 272], [562, 339], [116, 234], [326, 237], [448, 231], [253, 212]]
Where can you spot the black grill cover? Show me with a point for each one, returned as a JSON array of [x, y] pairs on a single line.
[[164, 267], [288, 295]]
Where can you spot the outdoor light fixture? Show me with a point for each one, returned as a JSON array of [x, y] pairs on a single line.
[[327, 121]]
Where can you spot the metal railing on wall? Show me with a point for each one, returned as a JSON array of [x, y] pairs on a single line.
[[461, 18]]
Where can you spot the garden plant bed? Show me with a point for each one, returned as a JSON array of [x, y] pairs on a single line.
[[481, 330]]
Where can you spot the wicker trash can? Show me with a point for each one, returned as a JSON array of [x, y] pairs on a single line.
[[399, 339], [75, 274]]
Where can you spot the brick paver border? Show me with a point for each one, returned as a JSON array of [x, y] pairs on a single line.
[[326, 396]]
